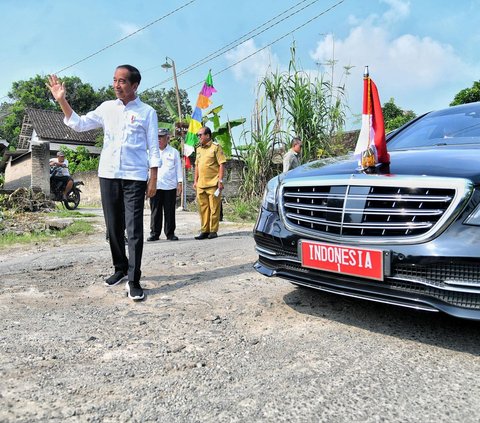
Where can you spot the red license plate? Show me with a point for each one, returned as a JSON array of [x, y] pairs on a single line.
[[343, 259]]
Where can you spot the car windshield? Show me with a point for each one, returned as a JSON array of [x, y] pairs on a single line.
[[454, 126]]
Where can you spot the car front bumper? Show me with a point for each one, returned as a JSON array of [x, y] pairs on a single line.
[[412, 278]]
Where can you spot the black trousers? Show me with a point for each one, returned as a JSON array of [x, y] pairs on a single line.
[[163, 203], [123, 202]]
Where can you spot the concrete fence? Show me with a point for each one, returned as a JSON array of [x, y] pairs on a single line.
[[233, 178]]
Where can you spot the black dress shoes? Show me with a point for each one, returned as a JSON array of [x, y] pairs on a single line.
[[173, 238], [152, 238], [202, 235], [212, 235]]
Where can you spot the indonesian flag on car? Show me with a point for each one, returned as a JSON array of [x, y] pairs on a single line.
[[371, 147]]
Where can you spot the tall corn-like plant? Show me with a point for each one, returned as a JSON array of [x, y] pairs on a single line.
[[257, 156], [307, 106]]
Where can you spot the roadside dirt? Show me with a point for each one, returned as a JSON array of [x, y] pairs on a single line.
[[214, 342]]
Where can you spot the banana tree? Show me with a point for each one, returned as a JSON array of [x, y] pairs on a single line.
[[222, 131]]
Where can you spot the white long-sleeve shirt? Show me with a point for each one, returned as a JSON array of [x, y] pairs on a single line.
[[170, 172], [130, 142]]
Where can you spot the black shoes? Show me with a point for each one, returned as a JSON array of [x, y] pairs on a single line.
[[135, 291], [206, 235], [156, 238], [116, 278]]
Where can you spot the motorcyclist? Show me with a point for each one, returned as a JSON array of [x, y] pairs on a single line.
[[60, 174]]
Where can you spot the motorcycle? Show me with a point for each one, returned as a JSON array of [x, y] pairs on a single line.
[[56, 192]]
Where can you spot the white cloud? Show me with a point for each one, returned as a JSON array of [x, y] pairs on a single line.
[[253, 67], [127, 28], [420, 73], [398, 10]]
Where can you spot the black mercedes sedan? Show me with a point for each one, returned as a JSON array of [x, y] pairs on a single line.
[[406, 233]]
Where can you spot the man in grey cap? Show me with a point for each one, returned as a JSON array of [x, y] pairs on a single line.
[[169, 186]]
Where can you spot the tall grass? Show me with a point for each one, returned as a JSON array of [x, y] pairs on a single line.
[[288, 104]]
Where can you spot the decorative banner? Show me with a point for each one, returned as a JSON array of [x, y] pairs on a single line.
[[371, 146], [196, 121]]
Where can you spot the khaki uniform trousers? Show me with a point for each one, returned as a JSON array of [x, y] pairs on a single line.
[[209, 208]]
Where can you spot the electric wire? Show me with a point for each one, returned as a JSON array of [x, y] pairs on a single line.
[[120, 40], [273, 42], [127, 36], [236, 42]]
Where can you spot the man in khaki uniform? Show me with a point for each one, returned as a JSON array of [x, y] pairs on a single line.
[[208, 182]]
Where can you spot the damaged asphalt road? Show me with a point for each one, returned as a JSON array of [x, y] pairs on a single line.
[[214, 341]]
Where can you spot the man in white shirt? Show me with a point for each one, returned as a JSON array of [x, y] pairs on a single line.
[[130, 152], [291, 160], [61, 175], [169, 186]]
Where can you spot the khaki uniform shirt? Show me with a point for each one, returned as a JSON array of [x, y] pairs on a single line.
[[208, 159]]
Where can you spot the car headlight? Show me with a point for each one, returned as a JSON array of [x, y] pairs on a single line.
[[269, 201], [474, 218]]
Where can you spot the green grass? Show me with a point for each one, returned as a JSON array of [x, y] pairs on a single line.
[[71, 213], [236, 210], [77, 227]]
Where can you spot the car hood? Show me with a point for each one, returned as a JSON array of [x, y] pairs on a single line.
[[446, 161]]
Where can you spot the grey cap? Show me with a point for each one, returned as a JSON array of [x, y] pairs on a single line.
[[60, 154], [163, 131]]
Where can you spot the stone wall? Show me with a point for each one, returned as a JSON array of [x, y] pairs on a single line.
[[40, 179], [233, 176], [18, 172], [91, 190]]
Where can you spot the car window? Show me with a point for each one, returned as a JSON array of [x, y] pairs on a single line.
[[454, 126]]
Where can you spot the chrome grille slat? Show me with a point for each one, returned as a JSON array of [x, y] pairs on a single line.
[[373, 197], [385, 225], [346, 207], [411, 212]]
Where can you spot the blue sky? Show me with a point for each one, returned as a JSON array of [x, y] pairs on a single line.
[[420, 52]]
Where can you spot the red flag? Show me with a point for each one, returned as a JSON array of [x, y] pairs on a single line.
[[371, 147]]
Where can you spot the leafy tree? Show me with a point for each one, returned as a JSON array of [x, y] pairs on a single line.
[[394, 116], [165, 103], [467, 95], [80, 159], [82, 97], [35, 94], [222, 131]]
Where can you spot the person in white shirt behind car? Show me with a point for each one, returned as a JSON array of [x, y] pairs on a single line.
[[291, 160], [169, 187]]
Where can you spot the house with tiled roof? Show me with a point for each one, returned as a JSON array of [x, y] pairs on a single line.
[[42, 134], [47, 126]]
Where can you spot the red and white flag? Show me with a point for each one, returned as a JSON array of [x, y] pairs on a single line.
[[371, 147]]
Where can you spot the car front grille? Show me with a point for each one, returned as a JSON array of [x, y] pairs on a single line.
[[462, 277], [397, 207], [468, 300]]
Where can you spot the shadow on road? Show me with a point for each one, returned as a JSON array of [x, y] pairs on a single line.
[[175, 282], [436, 329]]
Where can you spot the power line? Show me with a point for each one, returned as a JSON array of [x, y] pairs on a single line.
[[120, 40], [273, 42], [236, 42], [128, 36]]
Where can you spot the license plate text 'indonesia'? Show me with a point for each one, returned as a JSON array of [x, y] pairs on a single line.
[[347, 260]]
